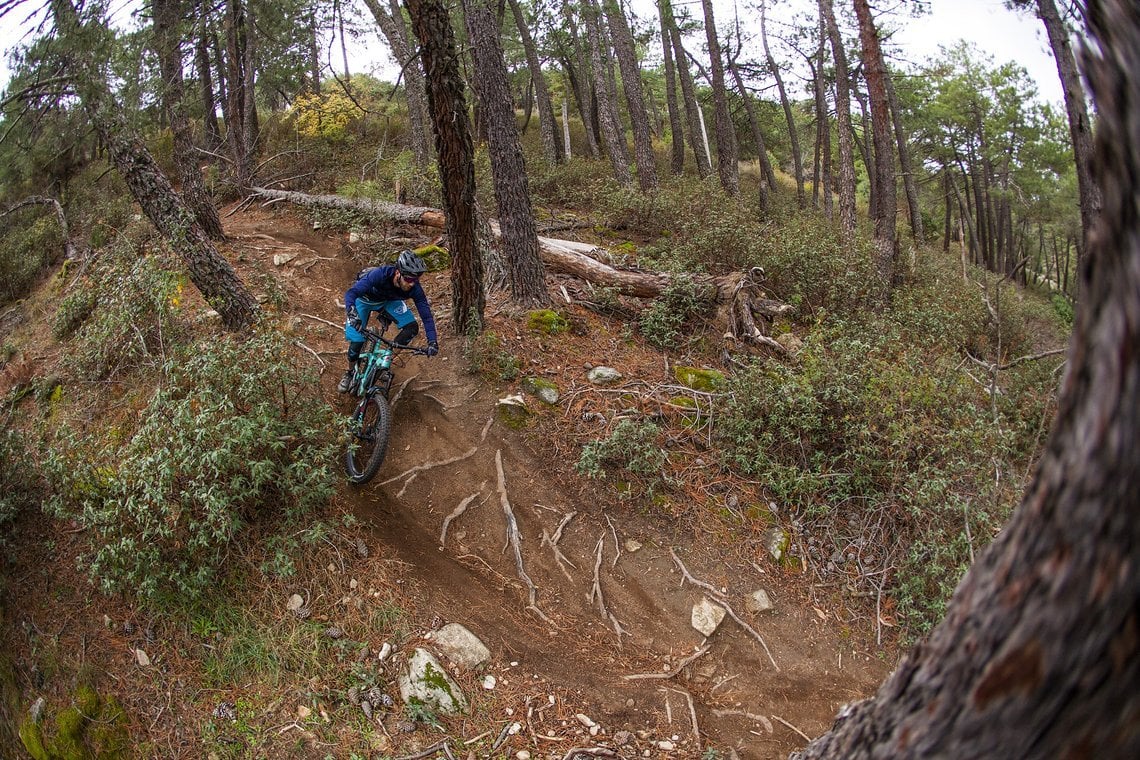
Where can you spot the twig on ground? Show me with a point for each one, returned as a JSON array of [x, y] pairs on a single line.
[[430, 465], [728, 608], [680, 666], [592, 751], [318, 319], [437, 747], [617, 546], [692, 715], [317, 356], [789, 725], [761, 719], [513, 538], [486, 427], [502, 736], [456, 513]]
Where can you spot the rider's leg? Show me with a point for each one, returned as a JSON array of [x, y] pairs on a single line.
[[355, 340], [399, 313]]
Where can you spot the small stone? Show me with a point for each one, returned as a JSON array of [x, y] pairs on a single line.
[[352, 584], [603, 376], [522, 754], [632, 545], [594, 730], [666, 745], [706, 616], [142, 658], [489, 682], [758, 602], [585, 720], [107, 621], [514, 729], [331, 568], [384, 652]]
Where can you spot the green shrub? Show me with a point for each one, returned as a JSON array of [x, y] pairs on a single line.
[[871, 430], [663, 321], [72, 311], [233, 432], [29, 246], [632, 447], [136, 317], [20, 486]]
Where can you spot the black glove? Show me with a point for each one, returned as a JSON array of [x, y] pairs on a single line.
[[433, 348], [353, 321]]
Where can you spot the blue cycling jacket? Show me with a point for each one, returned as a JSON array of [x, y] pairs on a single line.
[[377, 286]]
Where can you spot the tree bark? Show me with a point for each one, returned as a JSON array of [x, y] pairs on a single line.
[[455, 155], [240, 111], [883, 213], [689, 92], [676, 130], [793, 133], [205, 79], [634, 97], [1080, 129], [910, 187], [547, 126], [843, 124], [516, 217], [727, 162], [612, 133], [1039, 653], [168, 47]]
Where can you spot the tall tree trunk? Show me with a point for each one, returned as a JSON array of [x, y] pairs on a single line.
[[793, 133], [240, 112], [580, 82], [456, 157], [390, 19], [548, 127], [843, 124], [1039, 653], [823, 118], [167, 42], [727, 162], [676, 131], [910, 187], [516, 217], [886, 207], [205, 79], [634, 97], [689, 92], [612, 132], [1080, 128], [208, 269], [314, 54], [767, 175]]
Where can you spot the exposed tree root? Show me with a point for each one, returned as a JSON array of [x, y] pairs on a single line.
[[666, 676], [431, 465], [513, 539], [728, 608], [553, 544], [456, 513], [596, 593]]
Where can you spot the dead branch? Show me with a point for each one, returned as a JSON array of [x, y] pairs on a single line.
[[553, 544], [666, 676], [513, 537], [728, 608], [456, 513], [70, 249], [431, 465], [320, 361], [591, 751], [437, 747]]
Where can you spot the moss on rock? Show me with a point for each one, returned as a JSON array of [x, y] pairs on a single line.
[[698, 379], [547, 322]]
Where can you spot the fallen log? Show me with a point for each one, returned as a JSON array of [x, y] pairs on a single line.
[[738, 295]]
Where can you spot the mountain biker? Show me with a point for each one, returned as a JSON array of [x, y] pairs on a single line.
[[386, 288]]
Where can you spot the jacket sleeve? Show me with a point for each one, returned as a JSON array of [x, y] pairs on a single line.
[[424, 309], [361, 287]]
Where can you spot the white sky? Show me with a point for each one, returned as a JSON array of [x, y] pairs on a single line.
[[1002, 34]]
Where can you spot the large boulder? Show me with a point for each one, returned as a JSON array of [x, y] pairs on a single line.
[[425, 682]]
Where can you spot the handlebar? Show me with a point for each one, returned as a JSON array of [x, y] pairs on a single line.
[[378, 338]]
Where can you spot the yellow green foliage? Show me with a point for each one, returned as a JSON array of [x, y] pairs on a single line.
[[325, 116], [699, 379], [547, 322]]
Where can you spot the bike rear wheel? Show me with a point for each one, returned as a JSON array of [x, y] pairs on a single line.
[[369, 429]]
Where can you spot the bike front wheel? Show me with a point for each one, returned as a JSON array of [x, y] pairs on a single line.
[[367, 443]]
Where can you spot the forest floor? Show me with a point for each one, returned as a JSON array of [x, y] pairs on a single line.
[[756, 693]]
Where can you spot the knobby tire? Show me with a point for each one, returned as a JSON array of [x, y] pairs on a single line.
[[366, 448]]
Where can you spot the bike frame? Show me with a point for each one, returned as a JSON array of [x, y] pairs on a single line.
[[374, 368]]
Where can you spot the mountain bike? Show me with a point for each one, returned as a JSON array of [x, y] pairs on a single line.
[[371, 421]]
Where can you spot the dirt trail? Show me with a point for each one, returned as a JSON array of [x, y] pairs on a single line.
[[740, 700]]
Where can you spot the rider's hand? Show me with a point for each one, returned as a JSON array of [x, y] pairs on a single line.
[[354, 322], [432, 348]]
